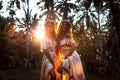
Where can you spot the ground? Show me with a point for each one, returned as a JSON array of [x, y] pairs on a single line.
[[34, 74]]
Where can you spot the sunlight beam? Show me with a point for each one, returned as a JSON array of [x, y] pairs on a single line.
[[39, 33]]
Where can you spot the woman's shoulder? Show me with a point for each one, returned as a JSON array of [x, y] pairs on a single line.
[[76, 54]]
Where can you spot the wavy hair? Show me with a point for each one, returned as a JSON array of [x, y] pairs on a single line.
[[47, 24], [64, 30]]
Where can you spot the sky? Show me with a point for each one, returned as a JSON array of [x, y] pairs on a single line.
[[32, 5], [20, 12]]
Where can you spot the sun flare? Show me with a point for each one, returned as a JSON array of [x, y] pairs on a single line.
[[39, 33]]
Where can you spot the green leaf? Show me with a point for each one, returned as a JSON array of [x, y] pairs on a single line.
[[93, 15], [18, 4], [12, 4]]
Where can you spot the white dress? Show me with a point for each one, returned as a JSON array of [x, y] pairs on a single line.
[[72, 65], [50, 45]]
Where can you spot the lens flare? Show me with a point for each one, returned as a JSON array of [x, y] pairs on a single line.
[[39, 33]]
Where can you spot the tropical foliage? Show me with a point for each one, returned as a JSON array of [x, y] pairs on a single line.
[[95, 27]]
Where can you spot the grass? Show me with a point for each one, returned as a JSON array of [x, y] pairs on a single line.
[[20, 74], [34, 74]]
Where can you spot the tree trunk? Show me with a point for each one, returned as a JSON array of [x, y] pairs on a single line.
[[65, 14], [100, 37], [115, 11]]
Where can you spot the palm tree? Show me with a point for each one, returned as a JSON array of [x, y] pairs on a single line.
[[87, 19], [48, 8], [91, 20], [3, 24], [1, 6], [27, 22], [86, 14], [65, 7], [99, 5]]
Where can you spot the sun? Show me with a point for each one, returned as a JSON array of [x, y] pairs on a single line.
[[39, 33]]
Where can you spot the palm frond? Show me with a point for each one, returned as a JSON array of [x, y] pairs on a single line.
[[19, 21], [95, 21], [42, 8], [72, 5], [58, 6], [59, 14], [59, 2], [94, 16], [80, 16], [12, 4], [38, 3], [18, 4], [35, 17], [23, 0], [44, 13]]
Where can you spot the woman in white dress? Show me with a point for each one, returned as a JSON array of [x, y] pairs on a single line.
[[48, 46], [71, 68]]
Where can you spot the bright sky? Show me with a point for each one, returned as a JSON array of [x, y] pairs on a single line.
[[34, 8], [20, 13]]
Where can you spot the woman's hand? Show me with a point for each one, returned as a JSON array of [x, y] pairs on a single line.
[[60, 68], [52, 74]]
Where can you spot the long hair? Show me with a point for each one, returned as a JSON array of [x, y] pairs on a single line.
[[49, 22], [64, 31]]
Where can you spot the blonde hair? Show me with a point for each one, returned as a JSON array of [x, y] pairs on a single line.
[[50, 21], [47, 22]]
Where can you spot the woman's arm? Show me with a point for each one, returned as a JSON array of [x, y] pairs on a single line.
[[71, 47], [47, 50], [49, 55]]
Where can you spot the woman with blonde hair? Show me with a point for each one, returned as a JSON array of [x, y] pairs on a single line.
[[48, 46]]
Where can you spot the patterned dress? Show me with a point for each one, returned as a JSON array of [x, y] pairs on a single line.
[[72, 66], [50, 45]]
